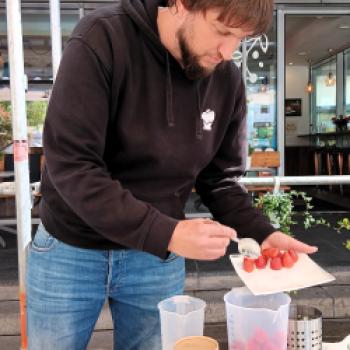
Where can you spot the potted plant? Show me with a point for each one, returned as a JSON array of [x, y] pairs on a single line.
[[341, 122], [279, 209]]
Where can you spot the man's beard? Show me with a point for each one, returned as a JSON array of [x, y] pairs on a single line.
[[192, 68]]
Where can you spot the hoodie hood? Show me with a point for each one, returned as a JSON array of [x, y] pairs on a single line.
[[144, 14]]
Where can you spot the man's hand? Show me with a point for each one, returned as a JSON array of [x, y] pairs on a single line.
[[284, 242], [201, 239]]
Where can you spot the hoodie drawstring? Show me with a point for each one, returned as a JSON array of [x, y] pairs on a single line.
[[169, 101], [199, 122]]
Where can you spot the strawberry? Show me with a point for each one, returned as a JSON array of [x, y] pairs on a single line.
[[252, 344], [260, 262], [293, 255], [276, 263], [271, 346], [265, 253], [261, 336], [274, 252], [279, 340], [287, 260], [270, 252], [237, 345], [248, 264]]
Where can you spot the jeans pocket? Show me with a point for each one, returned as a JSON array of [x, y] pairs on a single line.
[[170, 258], [43, 241]]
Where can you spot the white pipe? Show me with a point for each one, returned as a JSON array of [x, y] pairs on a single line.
[[81, 11], [56, 37], [19, 130], [296, 180], [280, 90]]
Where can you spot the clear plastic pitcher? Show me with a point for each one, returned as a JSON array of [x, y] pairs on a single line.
[[180, 316], [256, 322]]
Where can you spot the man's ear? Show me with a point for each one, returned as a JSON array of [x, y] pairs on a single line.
[[180, 8]]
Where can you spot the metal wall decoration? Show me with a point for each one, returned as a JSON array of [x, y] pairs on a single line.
[[254, 47]]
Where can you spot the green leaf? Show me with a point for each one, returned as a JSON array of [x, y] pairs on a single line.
[[347, 244]]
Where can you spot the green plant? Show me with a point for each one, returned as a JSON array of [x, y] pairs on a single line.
[[279, 209], [5, 125], [347, 244], [250, 149], [343, 224], [36, 111]]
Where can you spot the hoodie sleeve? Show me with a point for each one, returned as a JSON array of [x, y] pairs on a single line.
[[217, 184], [74, 145]]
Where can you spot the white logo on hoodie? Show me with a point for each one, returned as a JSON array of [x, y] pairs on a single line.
[[208, 119]]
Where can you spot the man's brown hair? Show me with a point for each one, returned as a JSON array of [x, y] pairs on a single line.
[[252, 15]]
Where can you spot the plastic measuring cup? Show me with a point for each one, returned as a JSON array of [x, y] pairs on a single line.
[[180, 316], [256, 322]]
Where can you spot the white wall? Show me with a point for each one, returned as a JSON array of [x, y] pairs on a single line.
[[296, 80]]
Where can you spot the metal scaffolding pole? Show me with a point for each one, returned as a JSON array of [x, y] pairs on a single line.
[[81, 10], [8, 188], [297, 180], [277, 181], [56, 37], [20, 150]]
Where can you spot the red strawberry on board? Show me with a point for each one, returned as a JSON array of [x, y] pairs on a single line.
[[270, 252], [287, 260], [260, 262], [276, 263], [248, 264]]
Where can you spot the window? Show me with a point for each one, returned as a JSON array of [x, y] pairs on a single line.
[[261, 90], [324, 100]]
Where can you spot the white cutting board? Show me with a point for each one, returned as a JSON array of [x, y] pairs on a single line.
[[305, 273], [343, 345]]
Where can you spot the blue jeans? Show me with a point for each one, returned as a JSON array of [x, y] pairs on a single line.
[[67, 287]]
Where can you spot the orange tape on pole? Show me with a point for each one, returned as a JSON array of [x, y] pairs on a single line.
[[23, 317]]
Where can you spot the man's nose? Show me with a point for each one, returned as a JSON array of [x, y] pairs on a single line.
[[227, 48]]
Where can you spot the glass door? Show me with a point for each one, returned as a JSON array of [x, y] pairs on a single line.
[[303, 49], [347, 82]]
